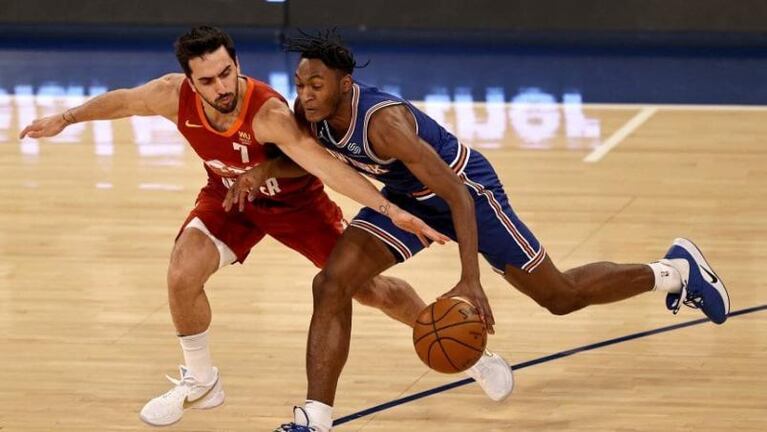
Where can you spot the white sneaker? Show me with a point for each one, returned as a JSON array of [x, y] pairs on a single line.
[[494, 375], [186, 393]]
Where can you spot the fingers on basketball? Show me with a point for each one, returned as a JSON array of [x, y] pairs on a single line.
[[449, 335]]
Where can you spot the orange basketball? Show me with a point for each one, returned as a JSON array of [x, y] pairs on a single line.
[[449, 336]]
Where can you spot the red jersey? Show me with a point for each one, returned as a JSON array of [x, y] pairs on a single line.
[[228, 154]]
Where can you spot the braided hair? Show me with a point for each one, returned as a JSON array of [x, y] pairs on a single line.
[[326, 46]]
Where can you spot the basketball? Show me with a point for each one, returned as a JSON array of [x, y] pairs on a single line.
[[449, 336]]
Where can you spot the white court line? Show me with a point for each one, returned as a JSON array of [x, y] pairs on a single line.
[[678, 107], [598, 153]]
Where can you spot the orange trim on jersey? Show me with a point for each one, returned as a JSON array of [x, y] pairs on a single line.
[[240, 117], [457, 166]]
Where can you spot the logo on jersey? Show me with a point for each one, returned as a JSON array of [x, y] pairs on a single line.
[[373, 169], [244, 137], [354, 148]]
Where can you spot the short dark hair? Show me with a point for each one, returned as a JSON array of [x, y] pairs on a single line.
[[199, 41], [327, 46]]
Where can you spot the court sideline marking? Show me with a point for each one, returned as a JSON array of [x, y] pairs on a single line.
[[618, 136], [539, 360]]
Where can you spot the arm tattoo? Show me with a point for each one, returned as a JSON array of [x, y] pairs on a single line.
[[384, 208], [68, 117]]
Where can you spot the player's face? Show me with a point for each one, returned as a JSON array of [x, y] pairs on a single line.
[[320, 89], [214, 78]]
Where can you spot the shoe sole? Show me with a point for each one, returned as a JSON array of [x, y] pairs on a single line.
[[697, 256]]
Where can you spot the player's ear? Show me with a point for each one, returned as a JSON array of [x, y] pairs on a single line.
[[346, 83], [237, 63]]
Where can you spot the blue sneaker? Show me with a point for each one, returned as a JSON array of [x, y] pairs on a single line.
[[701, 287], [292, 427]]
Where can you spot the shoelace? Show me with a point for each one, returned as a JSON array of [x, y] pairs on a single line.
[[185, 381], [292, 427], [690, 300], [693, 302]]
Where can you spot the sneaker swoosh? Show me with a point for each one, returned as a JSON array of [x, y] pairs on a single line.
[[710, 274], [188, 403], [191, 125]]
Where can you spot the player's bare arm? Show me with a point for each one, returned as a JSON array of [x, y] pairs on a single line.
[[246, 185], [392, 134], [275, 123], [157, 97]]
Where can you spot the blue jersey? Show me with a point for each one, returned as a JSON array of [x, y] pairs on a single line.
[[503, 239], [355, 149]]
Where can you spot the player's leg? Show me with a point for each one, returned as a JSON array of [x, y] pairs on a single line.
[[193, 260], [357, 258], [681, 275], [596, 283], [513, 250], [393, 296], [209, 239], [370, 245], [313, 231]]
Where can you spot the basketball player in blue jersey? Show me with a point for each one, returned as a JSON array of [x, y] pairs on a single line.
[[428, 172]]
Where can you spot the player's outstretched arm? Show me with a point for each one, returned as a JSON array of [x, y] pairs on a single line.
[[275, 123], [157, 97]]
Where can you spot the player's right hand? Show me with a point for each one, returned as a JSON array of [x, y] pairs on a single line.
[[245, 188], [415, 225], [44, 127], [471, 290]]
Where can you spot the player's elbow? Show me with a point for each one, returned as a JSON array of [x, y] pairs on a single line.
[[456, 193]]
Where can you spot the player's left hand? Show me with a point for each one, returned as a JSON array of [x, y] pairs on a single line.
[[471, 291], [245, 188], [45, 127], [408, 222]]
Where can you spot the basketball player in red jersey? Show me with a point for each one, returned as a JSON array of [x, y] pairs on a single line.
[[228, 119]]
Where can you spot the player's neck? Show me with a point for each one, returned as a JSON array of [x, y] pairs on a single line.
[[340, 121], [220, 121]]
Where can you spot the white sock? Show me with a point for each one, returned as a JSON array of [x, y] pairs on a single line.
[[667, 277], [197, 356], [320, 416]]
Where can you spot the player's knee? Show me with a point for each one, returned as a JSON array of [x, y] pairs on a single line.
[[559, 300], [559, 307], [181, 283], [329, 291], [184, 280]]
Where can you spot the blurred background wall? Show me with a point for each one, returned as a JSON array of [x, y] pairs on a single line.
[[716, 22]]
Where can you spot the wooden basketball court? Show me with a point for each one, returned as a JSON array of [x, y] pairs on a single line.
[[86, 228]]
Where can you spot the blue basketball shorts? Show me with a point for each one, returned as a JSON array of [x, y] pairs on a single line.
[[503, 237]]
